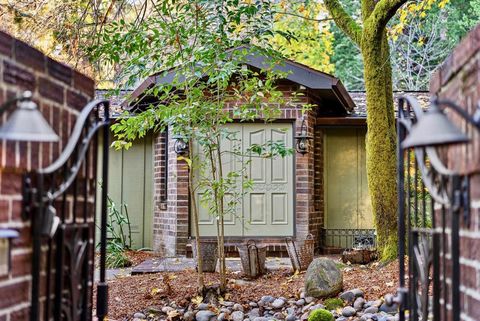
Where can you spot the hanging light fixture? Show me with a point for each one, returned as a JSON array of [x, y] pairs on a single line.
[[302, 138], [434, 128], [26, 123]]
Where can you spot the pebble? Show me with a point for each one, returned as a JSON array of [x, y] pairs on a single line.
[[137, 319], [291, 317], [358, 304], [260, 319], [300, 302], [278, 316], [139, 315], [254, 313], [228, 304], [223, 316], [205, 315], [237, 316], [317, 306], [347, 296], [372, 309], [348, 311], [389, 309], [341, 319], [278, 303], [309, 299], [167, 309], [238, 307], [304, 316], [267, 299], [253, 304], [189, 316], [202, 306]]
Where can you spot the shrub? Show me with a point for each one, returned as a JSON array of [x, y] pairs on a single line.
[[333, 303], [320, 315]]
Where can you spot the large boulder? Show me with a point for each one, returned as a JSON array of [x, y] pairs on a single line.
[[323, 278]]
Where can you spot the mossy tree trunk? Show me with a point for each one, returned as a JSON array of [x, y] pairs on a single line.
[[371, 38]]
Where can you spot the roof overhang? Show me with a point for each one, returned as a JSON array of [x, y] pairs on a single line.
[[327, 89]]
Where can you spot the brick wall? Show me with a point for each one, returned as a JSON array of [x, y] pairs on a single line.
[[458, 79], [171, 224], [60, 93]]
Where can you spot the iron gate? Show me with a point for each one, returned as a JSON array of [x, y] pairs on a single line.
[[60, 200], [433, 201]]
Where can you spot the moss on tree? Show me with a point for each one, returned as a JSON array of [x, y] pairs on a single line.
[[381, 136]]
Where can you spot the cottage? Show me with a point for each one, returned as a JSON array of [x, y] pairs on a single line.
[[322, 192]]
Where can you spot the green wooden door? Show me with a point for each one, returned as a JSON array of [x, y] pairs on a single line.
[[267, 209], [131, 183], [346, 193]]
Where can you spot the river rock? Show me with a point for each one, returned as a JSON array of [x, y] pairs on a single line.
[[358, 304], [237, 316], [139, 315], [278, 303], [202, 306], [205, 315], [300, 302], [372, 309], [323, 278], [348, 311], [391, 309], [189, 316]]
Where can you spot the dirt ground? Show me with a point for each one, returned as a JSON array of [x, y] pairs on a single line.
[[130, 294]]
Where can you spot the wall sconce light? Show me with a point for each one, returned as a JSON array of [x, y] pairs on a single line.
[[302, 138], [6, 236], [180, 144]]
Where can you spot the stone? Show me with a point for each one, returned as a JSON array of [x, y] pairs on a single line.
[[228, 304], [300, 302], [391, 309], [291, 317], [139, 315], [237, 316], [238, 307], [341, 319], [137, 319], [304, 316], [253, 304], [278, 316], [278, 303], [223, 316], [189, 316], [357, 292], [372, 309], [323, 278], [290, 310], [167, 309], [260, 319], [205, 315], [348, 311], [350, 295], [309, 299], [317, 306], [202, 306], [267, 299], [358, 304], [254, 313]]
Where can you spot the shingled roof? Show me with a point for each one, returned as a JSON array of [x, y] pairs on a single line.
[[360, 100]]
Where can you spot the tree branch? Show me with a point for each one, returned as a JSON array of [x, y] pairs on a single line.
[[300, 16], [384, 11], [344, 21]]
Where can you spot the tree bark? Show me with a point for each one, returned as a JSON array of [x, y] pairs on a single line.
[[381, 141]]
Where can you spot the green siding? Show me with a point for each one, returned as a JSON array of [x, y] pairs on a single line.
[[347, 202], [131, 182]]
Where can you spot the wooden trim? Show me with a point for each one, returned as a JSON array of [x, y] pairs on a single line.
[[344, 121]]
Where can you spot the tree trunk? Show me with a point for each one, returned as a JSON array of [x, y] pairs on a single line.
[[381, 141]]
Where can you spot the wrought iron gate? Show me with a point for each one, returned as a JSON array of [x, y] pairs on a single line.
[[60, 200], [433, 201]]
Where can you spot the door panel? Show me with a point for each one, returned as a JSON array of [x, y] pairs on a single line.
[[346, 194], [267, 209]]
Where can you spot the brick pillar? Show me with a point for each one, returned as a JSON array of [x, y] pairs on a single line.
[[458, 79]]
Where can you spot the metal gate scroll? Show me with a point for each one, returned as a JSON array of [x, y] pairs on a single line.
[[433, 202], [61, 200]]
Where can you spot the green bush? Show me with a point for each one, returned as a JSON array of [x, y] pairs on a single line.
[[320, 315], [333, 303]]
